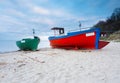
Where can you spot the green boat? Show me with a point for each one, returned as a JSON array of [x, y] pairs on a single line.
[[28, 43]]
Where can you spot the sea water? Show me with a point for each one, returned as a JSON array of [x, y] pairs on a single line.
[[10, 45], [7, 46]]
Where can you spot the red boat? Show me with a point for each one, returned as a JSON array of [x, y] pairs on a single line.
[[87, 39]]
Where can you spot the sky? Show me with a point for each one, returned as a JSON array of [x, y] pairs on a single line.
[[19, 17]]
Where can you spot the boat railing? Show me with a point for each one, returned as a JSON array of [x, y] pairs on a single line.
[[82, 29]]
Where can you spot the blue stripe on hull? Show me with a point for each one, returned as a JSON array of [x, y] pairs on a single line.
[[69, 34], [97, 38]]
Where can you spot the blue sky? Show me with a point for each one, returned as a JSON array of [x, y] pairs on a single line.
[[19, 17]]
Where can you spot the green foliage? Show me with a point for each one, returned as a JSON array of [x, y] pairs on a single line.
[[112, 24], [116, 15]]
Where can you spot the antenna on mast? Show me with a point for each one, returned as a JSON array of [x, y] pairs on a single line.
[[80, 25], [34, 32]]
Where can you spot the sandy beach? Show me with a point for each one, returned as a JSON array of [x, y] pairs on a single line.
[[62, 66]]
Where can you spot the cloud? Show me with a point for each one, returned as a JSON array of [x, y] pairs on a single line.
[[15, 12], [41, 10], [42, 20], [21, 16], [5, 19], [47, 11], [12, 24]]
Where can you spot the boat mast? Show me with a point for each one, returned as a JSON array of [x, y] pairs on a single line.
[[33, 32], [80, 25]]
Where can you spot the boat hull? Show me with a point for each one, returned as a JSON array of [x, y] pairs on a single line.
[[102, 44], [88, 39], [28, 44]]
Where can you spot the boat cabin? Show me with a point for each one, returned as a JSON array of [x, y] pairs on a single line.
[[58, 30]]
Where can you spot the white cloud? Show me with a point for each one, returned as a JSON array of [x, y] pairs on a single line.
[[15, 12], [34, 15], [42, 20], [5, 19], [48, 11], [48, 21], [9, 23], [41, 10]]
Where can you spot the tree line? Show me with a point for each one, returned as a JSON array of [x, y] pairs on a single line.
[[111, 24]]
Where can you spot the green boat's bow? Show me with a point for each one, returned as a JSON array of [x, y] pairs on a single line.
[[28, 43]]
